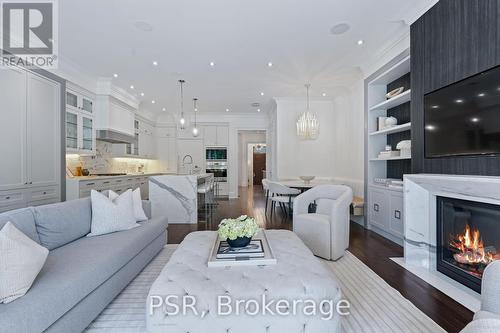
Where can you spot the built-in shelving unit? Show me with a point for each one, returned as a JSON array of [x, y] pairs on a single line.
[[393, 102], [395, 158], [394, 129], [384, 209]]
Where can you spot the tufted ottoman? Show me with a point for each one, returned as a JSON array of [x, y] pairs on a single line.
[[297, 295]]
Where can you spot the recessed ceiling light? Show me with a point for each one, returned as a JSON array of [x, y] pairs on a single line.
[[475, 120], [269, 64], [459, 101], [258, 110], [340, 29], [430, 127], [435, 106], [212, 64], [481, 95], [132, 86], [323, 94], [142, 94], [360, 42], [262, 93], [164, 109], [153, 101], [115, 75], [143, 26], [227, 110], [155, 63]]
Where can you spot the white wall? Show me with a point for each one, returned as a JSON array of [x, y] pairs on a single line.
[[296, 157], [244, 139]]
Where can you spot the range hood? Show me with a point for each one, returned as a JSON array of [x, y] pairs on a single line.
[[112, 136]]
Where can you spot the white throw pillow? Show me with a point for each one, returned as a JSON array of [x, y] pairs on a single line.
[[137, 202], [111, 215], [21, 259]]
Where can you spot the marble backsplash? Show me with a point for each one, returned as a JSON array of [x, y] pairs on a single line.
[[104, 162]]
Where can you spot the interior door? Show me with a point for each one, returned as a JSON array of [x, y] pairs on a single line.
[[44, 135], [259, 164], [13, 129]]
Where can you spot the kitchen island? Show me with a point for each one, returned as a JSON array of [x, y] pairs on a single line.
[[176, 196]]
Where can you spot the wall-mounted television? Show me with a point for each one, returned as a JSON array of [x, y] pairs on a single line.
[[463, 119]]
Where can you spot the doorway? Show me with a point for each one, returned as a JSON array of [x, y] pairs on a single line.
[[258, 163]]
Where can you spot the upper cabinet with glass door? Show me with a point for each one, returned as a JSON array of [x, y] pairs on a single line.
[[80, 131], [79, 101]]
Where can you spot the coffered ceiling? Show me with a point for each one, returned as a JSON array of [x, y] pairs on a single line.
[[240, 39]]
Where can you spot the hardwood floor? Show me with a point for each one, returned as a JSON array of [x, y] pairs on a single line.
[[372, 249]]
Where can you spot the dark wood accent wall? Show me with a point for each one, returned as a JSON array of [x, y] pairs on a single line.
[[396, 169], [455, 39]]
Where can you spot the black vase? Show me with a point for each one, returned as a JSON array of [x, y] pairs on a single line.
[[239, 242]]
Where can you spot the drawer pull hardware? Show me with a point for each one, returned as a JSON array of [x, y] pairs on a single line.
[[376, 207], [90, 184], [44, 192], [7, 198]]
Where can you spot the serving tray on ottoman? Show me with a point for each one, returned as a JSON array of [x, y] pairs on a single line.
[[244, 299]]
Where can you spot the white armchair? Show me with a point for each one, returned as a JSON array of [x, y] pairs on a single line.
[[487, 319], [325, 232]]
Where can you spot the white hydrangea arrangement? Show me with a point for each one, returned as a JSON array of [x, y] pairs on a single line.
[[243, 226]]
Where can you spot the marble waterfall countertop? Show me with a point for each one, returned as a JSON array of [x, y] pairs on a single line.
[[176, 196]]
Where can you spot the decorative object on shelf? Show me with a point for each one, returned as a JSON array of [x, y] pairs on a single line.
[[388, 154], [405, 148], [390, 122], [307, 124], [238, 232], [388, 148], [381, 123], [195, 128], [307, 179], [182, 121], [395, 92]]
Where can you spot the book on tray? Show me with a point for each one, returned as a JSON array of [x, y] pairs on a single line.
[[252, 250]]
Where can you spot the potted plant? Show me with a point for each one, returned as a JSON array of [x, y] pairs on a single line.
[[238, 232]]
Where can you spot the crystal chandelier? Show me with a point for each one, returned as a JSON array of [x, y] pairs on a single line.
[[182, 120], [195, 128], [307, 124]]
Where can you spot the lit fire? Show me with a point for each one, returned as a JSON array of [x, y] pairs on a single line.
[[470, 248]]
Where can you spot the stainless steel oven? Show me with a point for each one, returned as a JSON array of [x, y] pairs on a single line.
[[219, 169]]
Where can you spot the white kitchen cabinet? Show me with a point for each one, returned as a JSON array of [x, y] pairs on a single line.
[[210, 135], [222, 135], [396, 214], [13, 169], [79, 188], [31, 170], [44, 136], [79, 101], [385, 213], [80, 125], [215, 135]]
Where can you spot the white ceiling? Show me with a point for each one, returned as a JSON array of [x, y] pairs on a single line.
[[241, 37]]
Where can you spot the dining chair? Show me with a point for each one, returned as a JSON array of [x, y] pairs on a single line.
[[265, 186], [325, 231], [282, 195]]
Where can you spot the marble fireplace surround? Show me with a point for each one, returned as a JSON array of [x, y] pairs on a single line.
[[420, 204]]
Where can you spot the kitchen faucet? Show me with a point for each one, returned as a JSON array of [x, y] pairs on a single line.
[[190, 162]]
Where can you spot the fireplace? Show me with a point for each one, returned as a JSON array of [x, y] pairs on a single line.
[[468, 239]]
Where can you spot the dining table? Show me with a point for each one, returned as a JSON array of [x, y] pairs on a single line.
[[304, 186]]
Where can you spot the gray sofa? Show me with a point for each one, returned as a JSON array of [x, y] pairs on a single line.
[[82, 274], [487, 319]]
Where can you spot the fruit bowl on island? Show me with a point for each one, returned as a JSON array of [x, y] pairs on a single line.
[[307, 179]]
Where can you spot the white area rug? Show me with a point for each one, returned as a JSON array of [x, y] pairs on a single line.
[[375, 306]]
